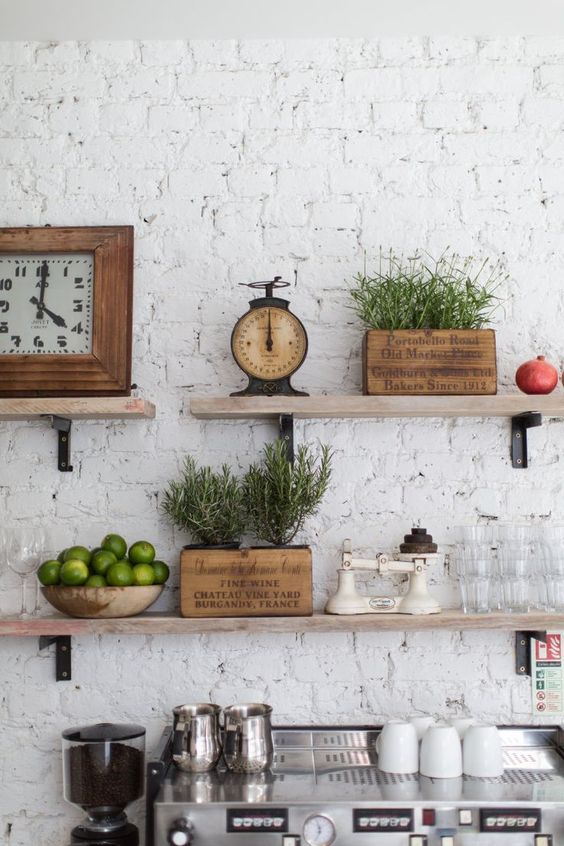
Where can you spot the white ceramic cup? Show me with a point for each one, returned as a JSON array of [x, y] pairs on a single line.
[[421, 723], [441, 752], [398, 750], [482, 752], [441, 789], [462, 724]]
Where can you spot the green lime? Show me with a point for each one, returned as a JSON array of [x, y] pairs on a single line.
[[94, 550], [48, 573], [116, 544], [61, 555], [95, 581], [120, 574], [142, 552], [79, 553], [143, 574], [74, 572], [162, 572], [101, 561]]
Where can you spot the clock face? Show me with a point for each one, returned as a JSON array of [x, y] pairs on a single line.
[[46, 303], [269, 343]]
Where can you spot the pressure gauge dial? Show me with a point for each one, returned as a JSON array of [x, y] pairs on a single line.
[[269, 343], [319, 830]]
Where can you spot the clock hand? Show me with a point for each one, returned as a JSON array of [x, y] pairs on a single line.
[[269, 334], [44, 284], [57, 320]]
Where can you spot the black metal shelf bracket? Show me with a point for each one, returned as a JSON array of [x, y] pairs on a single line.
[[523, 650], [63, 428], [519, 425], [63, 654], [286, 426]]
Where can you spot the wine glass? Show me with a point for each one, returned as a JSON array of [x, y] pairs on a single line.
[[22, 548]]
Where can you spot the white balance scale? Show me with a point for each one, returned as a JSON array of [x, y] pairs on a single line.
[[417, 599]]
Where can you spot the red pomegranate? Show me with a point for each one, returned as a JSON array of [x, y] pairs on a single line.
[[536, 376]]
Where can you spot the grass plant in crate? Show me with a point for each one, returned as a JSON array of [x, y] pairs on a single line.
[[425, 321]]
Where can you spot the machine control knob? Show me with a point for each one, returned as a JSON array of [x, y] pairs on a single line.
[[543, 839], [180, 833]]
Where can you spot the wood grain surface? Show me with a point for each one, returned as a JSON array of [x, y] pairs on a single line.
[[164, 623], [83, 408], [350, 406], [429, 361], [248, 582]]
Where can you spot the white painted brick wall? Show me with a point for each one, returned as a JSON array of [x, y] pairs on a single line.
[[236, 161]]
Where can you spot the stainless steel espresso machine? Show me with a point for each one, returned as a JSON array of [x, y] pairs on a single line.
[[325, 787]]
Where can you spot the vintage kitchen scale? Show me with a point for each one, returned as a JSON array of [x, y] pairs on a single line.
[[269, 343], [416, 553]]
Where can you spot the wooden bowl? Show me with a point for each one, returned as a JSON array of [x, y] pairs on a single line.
[[100, 602]]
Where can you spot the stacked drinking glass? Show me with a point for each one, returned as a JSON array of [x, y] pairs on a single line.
[[513, 568]]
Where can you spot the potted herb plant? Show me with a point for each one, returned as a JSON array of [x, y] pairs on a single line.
[[426, 325], [206, 504], [280, 495], [273, 501]]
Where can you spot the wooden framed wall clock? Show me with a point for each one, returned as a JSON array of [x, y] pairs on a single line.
[[66, 296]]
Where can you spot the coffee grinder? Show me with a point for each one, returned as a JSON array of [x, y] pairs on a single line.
[[103, 770]]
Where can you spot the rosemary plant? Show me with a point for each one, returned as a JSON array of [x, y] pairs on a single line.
[[206, 503], [280, 496], [423, 293]]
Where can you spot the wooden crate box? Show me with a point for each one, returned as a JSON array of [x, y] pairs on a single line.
[[247, 582]]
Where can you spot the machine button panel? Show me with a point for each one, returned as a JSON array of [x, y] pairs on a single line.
[[510, 820], [249, 821], [464, 817], [382, 819]]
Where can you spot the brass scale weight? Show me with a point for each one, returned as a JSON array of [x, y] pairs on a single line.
[[269, 343]]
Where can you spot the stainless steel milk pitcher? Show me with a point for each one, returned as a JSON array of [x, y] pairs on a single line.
[[196, 746], [247, 742]]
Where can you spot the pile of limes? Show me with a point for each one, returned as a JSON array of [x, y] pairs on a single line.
[[111, 563]]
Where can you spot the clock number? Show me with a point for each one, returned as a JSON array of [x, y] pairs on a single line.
[[16, 340], [4, 306], [20, 271], [78, 329], [6, 284], [38, 343], [77, 305], [78, 282], [4, 326], [61, 341]]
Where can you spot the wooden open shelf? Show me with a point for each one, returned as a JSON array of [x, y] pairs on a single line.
[[361, 406], [77, 408], [151, 624]]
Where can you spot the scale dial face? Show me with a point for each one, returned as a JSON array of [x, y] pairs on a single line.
[[319, 830], [46, 303], [269, 343]]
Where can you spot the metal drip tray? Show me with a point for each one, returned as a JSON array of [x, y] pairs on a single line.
[[341, 766]]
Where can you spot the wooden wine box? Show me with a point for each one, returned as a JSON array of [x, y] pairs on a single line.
[[246, 582], [429, 361]]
